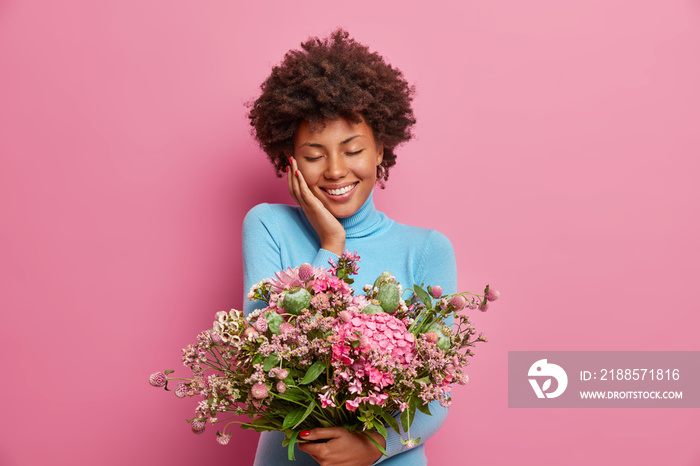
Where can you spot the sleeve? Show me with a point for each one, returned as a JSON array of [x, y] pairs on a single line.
[[261, 250], [262, 244], [437, 266]]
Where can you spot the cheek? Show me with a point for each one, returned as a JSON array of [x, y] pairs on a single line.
[[369, 170], [311, 176]]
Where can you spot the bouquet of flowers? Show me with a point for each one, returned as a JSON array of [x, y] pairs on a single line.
[[319, 355]]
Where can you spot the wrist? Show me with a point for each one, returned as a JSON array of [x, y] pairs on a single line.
[[335, 245], [381, 441]]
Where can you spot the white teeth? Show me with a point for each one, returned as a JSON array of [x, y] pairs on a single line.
[[338, 192]]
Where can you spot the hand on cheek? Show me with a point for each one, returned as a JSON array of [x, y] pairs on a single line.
[[329, 230]]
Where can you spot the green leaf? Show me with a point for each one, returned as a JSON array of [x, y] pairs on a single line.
[[418, 404], [308, 411], [290, 448], [270, 362], [380, 427], [389, 419], [293, 418], [423, 296], [169, 371], [313, 372], [292, 394], [376, 444], [425, 380]]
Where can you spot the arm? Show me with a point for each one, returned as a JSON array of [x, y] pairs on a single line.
[[438, 266]]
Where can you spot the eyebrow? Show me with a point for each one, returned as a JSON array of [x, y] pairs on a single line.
[[315, 144]]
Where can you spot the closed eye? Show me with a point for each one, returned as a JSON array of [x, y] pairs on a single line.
[[354, 153]]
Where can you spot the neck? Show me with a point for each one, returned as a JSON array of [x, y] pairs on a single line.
[[364, 221]]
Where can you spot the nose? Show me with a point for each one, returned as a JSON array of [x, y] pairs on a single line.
[[336, 167]]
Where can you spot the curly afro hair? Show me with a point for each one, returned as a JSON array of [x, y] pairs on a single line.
[[327, 79]]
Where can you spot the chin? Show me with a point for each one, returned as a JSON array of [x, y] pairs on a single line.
[[342, 213]]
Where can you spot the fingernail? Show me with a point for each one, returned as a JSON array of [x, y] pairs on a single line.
[[296, 172], [287, 168], [290, 160], [305, 433]]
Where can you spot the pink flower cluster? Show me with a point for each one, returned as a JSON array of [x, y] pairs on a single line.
[[381, 332], [367, 349]]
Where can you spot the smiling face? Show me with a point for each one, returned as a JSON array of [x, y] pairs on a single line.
[[338, 163]]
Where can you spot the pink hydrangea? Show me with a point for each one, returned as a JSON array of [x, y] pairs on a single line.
[[382, 332]]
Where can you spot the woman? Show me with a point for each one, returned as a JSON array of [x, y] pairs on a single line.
[[330, 117]]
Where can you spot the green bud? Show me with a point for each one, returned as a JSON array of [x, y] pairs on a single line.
[[389, 296], [296, 301], [372, 309], [443, 340]]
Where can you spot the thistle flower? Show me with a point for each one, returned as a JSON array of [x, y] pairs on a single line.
[[483, 307], [198, 426], [223, 439], [437, 291], [492, 295], [458, 302], [181, 390], [282, 374], [306, 271], [260, 324], [432, 337], [158, 379], [259, 391], [281, 386]]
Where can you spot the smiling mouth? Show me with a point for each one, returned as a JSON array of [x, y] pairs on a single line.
[[340, 191]]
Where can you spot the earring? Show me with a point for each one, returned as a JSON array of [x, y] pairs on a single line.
[[381, 172]]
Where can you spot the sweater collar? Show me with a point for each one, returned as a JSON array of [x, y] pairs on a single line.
[[365, 221]]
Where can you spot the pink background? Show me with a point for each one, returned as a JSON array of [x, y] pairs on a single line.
[[557, 146]]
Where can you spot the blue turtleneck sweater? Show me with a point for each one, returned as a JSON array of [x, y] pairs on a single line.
[[277, 236]]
